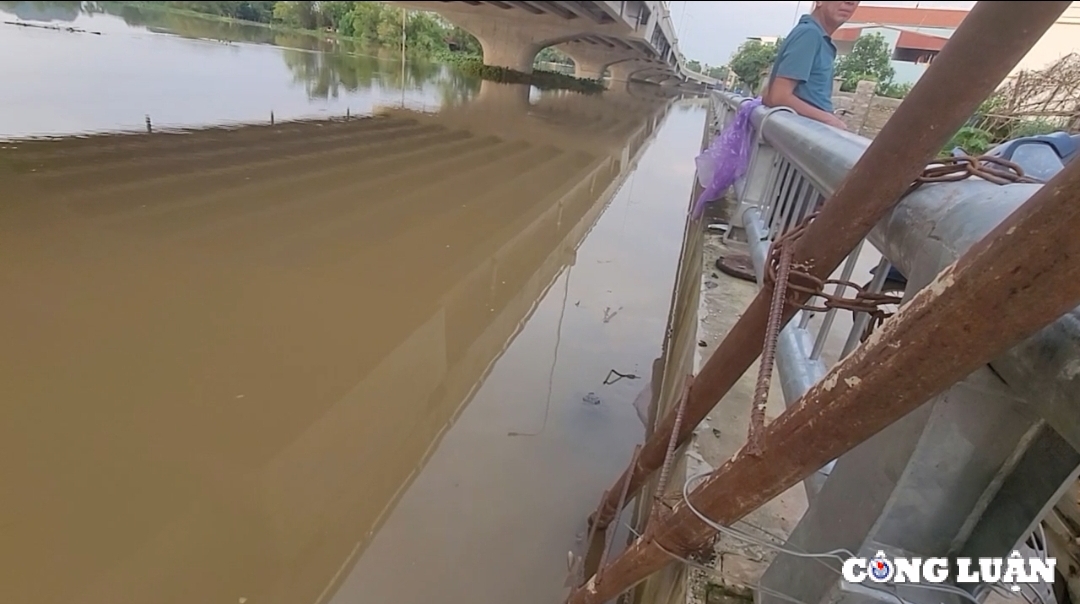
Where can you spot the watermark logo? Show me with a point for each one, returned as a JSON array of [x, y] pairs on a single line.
[[1013, 571]]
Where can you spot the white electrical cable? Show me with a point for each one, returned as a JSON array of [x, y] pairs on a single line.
[[834, 554]]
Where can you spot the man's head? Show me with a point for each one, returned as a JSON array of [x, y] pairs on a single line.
[[832, 15]]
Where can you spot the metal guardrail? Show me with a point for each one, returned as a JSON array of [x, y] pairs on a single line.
[[974, 471], [796, 164]]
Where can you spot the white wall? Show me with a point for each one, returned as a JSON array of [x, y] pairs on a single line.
[[1061, 39], [908, 73]]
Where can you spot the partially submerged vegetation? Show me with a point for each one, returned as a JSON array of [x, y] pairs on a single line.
[[544, 80], [425, 36]]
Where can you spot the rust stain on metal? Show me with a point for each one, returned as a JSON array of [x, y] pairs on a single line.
[[779, 288]]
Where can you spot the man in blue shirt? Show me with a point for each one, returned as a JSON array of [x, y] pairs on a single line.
[[802, 76]]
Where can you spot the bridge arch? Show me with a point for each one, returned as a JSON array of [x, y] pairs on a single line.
[[511, 35]]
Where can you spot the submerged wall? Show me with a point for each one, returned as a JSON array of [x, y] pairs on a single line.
[[677, 362]]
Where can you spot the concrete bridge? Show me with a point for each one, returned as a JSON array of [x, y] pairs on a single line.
[[629, 40], [240, 263]]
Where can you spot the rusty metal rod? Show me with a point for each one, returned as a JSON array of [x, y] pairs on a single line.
[[987, 45], [1018, 279]]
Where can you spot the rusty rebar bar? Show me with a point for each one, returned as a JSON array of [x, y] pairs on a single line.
[[768, 352], [669, 456], [983, 50], [1018, 279]]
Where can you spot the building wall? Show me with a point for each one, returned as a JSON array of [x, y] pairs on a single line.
[[864, 112], [1061, 39], [941, 32], [908, 73], [891, 35]]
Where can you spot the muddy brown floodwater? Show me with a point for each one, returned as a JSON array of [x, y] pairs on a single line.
[[352, 361]]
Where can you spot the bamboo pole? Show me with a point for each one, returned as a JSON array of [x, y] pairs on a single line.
[[987, 45], [1017, 280]]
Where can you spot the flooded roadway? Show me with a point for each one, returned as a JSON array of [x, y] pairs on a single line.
[[339, 361]]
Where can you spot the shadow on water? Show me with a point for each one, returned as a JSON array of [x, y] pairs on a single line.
[[233, 349]]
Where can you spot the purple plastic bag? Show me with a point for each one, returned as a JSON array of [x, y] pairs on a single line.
[[727, 158]]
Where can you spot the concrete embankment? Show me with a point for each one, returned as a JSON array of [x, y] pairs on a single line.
[[705, 306]]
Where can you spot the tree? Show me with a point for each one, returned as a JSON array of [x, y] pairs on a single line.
[[295, 14], [720, 73], [693, 66], [374, 24], [869, 59], [752, 58], [550, 54]]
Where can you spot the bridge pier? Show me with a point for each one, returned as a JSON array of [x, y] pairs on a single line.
[[589, 71], [512, 39], [506, 42], [503, 98], [592, 59], [621, 71], [597, 35]]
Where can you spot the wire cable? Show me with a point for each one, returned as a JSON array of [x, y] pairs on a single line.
[[838, 554]]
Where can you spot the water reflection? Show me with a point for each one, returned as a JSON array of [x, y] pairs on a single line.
[[70, 83], [65, 12], [232, 349], [328, 75]]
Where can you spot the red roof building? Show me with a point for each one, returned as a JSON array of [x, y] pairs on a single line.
[[915, 35], [939, 18]]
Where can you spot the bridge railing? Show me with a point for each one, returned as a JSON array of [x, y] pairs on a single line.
[[974, 471], [794, 165]]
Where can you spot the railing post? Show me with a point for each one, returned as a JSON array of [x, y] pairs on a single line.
[[754, 187]]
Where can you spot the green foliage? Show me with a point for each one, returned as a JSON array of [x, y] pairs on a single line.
[[550, 54], [376, 25], [869, 59], [713, 72], [751, 60], [372, 23], [993, 124], [893, 90], [248, 11], [720, 73], [1035, 126], [974, 141], [295, 14]]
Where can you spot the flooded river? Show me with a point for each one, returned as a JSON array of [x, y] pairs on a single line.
[[358, 361]]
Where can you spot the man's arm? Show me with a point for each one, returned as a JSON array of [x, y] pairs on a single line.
[[793, 65], [781, 93]]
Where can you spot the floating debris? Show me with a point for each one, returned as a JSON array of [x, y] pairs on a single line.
[[618, 376], [610, 314], [591, 398], [73, 30]]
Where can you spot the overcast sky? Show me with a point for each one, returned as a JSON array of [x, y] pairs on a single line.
[[710, 31]]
